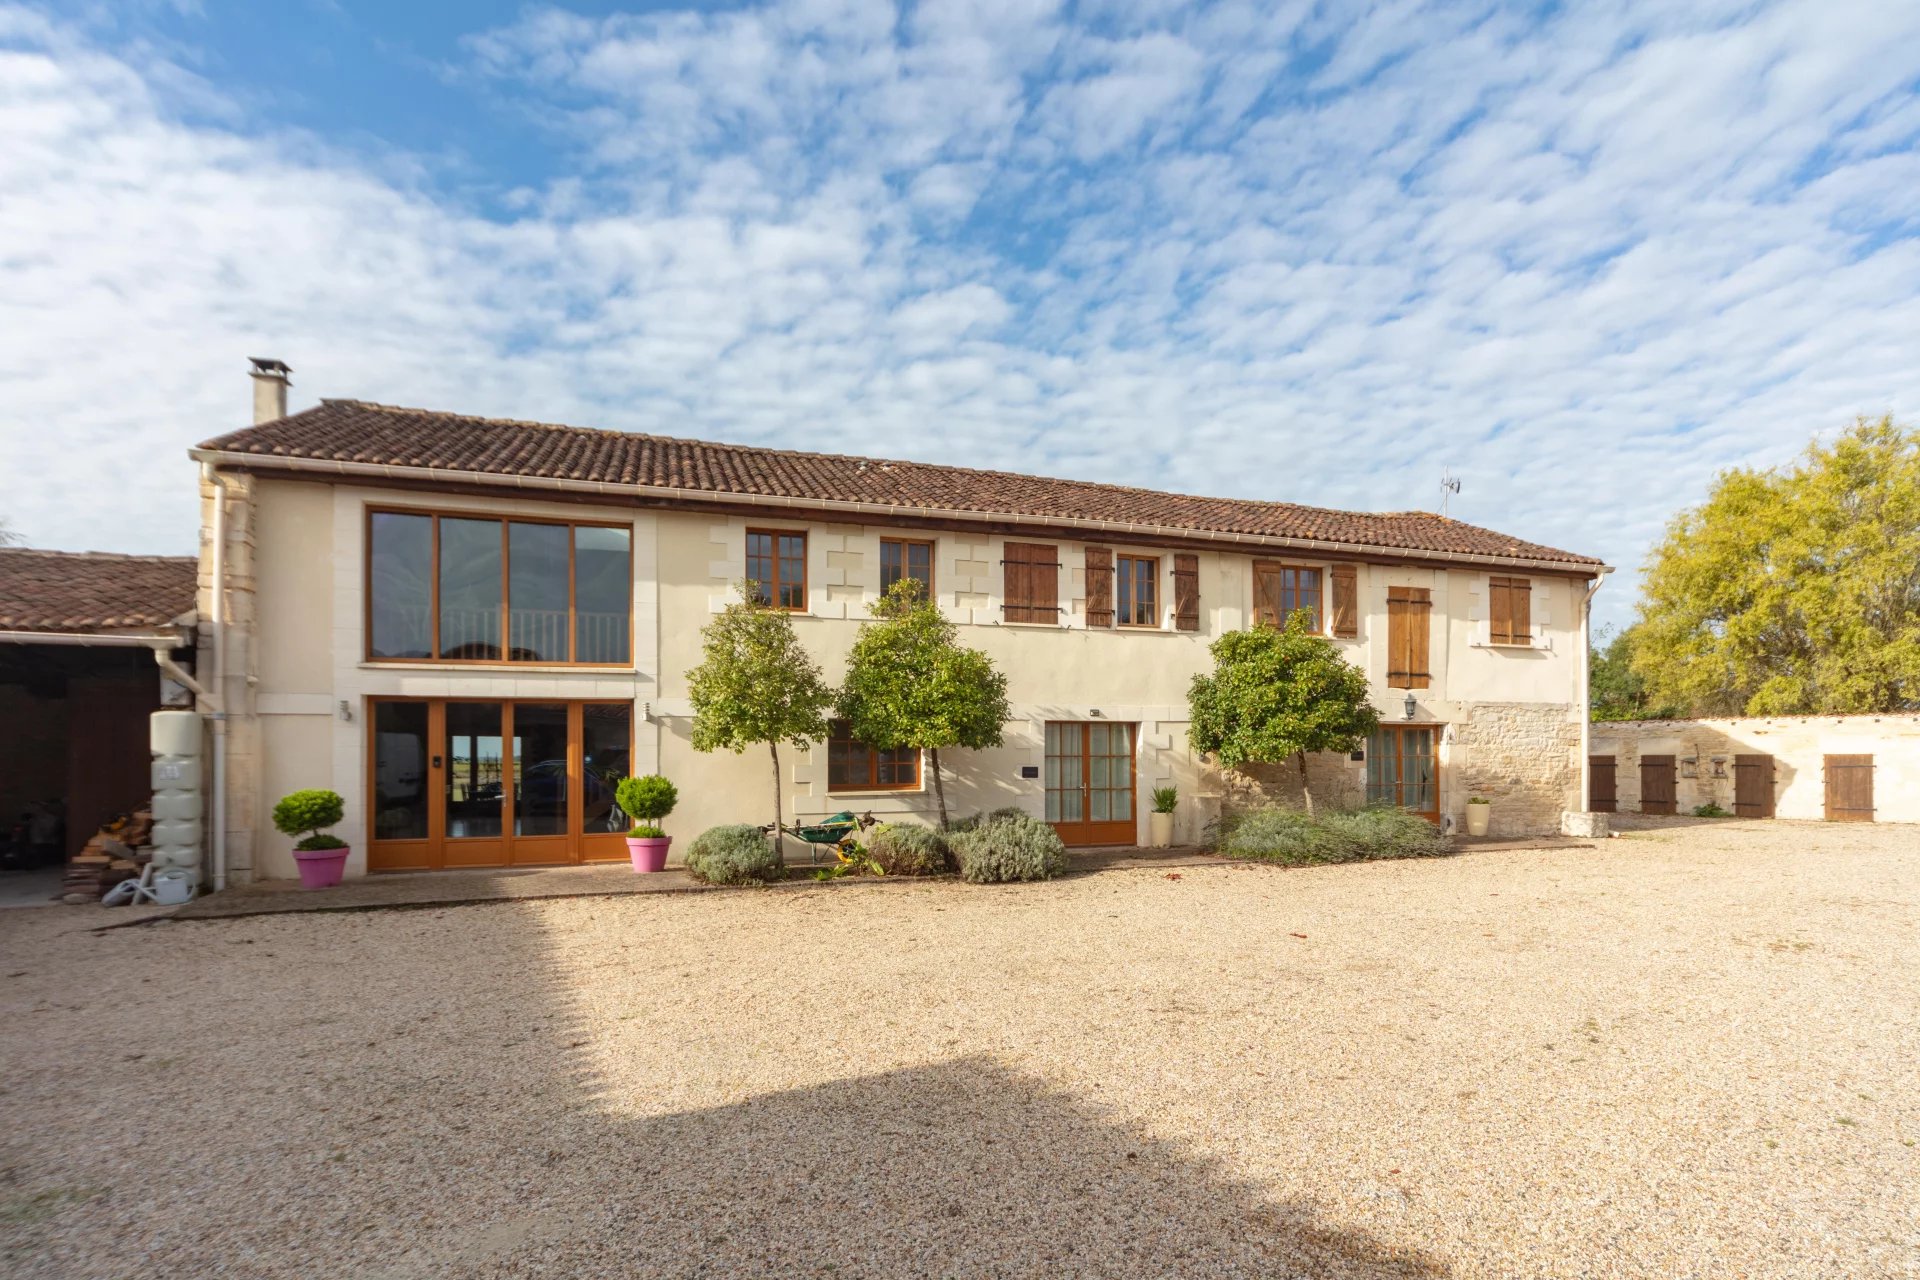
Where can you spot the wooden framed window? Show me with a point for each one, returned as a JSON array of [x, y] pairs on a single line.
[[1137, 586], [1509, 611], [1031, 573], [854, 766], [903, 558], [460, 587], [777, 567], [1409, 624], [1280, 590]]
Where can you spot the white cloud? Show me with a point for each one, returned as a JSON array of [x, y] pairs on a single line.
[[1586, 264]]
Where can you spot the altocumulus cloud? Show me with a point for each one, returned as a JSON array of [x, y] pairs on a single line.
[[1584, 258]]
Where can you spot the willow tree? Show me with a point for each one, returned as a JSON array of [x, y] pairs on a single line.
[[756, 684], [1278, 694], [1795, 590], [912, 684]]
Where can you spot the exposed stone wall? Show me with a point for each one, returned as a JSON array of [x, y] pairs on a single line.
[[1522, 756], [1337, 783]]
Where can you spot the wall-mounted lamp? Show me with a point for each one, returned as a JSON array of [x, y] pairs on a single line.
[[1412, 707], [346, 711], [646, 712], [1096, 713]]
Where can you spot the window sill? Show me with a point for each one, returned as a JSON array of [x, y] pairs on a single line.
[[499, 668], [1531, 646], [915, 790]]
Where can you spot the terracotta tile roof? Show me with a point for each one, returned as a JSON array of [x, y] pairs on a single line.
[[91, 590], [353, 431]]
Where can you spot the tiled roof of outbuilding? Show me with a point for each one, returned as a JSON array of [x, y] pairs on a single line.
[[91, 590], [353, 431]]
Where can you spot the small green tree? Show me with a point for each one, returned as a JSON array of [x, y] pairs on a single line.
[[1278, 694], [756, 684], [911, 683]]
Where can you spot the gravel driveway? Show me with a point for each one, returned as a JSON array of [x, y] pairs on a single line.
[[1690, 1052]]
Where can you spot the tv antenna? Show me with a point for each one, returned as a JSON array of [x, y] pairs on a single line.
[[1449, 485]]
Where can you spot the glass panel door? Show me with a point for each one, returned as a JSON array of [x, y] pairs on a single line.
[[1402, 770], [540, 769], [1090, 782], [400, 771], [475, 771]]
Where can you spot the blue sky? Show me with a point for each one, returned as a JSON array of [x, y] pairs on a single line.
[[1583, 255]]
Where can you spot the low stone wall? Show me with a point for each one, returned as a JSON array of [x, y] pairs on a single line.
[[1704, 752]]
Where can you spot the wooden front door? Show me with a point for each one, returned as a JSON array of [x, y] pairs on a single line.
[[1753, 786], [1659, 784], [1090, 782], [1849, 788], [1402, 769], [1602, 784], [495, 783]]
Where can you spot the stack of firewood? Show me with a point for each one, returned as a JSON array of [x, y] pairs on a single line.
[[114, 853]]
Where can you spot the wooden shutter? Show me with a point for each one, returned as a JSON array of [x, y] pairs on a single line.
[[1186, 592], [1409, 611], [1032, 582], [1659, 783], [1849, 788], [1099, 586], [1753, 786], [1345, 606], [1266, 593], [1509, 611], [1605, 797]]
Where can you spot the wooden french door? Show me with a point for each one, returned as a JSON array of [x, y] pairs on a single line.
[[1402, 769], [495, 783], [1090, 782]]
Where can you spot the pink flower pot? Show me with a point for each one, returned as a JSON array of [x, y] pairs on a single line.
[[649, 855], [321, 868]]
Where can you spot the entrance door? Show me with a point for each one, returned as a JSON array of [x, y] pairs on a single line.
[[1849, 788], [1603, 784], [1402, 770], [459, 783], [1659, 783], [1753, 786], [1090, 782]]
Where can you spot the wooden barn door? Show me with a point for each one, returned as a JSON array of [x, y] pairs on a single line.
[[1753, 786], [1849, 788], [1605, 797], [1658, 784]]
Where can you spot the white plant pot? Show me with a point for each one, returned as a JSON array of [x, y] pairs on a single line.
[[1160, 829], [1478, 816]]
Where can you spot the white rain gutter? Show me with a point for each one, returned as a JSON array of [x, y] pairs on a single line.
[[842, 508], [98, 639], [217, 625], [1586, 692]]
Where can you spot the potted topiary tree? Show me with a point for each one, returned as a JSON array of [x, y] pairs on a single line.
[[647, 800], [322, 857], [1160, 824]]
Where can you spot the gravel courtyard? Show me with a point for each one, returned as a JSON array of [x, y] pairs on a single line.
[[1689, 1052]]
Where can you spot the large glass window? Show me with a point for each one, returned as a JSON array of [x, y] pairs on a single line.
[[606, 755], [540, 769], [1139, 593], [900, 558], [400, 573], [400, 771], [475, 770], [459, 588], [537, 556], [852, 765]]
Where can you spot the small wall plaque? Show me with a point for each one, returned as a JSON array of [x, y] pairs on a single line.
[[1029, 770]]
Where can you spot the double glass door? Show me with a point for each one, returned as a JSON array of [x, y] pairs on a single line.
[[496, 783], [1090, 782], [1402, 770]]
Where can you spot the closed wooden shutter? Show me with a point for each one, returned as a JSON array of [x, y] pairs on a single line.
[[1186, 592], [1753, 786], [1510, 610], [1099, 586], [1849, 788], [1346, 601], [1032, 575], [1605, 796], [1659, 784], [1266, 593], [1409, 614]]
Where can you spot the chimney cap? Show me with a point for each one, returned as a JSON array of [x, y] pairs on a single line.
[[275, 368]]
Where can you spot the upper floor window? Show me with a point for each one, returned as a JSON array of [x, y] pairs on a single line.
[[1281, 589], [854, 766], [1509, 611], [901, 558], [777, 567], [462, 588], [1137, 587]]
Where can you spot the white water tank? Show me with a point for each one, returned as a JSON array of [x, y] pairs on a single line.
[[174, 733]]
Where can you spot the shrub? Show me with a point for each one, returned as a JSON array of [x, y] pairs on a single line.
[[737, 854], [1291, 838], [1166, 799], [1711, 810], [645, 831], [646, 800], [310, 811], [1008, 844], [907, 849]]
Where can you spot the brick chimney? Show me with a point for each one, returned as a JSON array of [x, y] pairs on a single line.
[[271, 378]]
